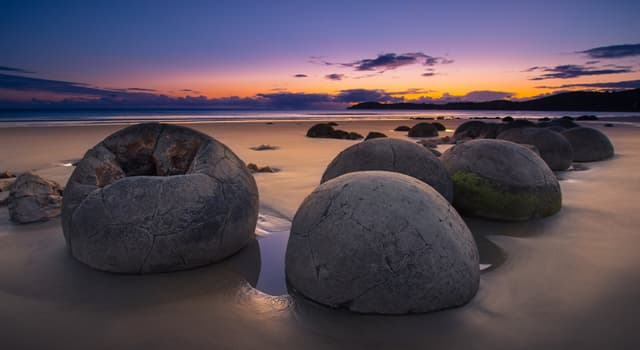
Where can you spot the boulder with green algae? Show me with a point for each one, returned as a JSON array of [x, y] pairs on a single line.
[[501, 180]]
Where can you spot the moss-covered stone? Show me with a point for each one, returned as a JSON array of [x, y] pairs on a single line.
[[475, 195]]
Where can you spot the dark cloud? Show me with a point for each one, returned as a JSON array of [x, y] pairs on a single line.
[[362, 95], [144, 90], [569, 71], [386, 61], [14, 70], [613, 51], [473, 96], [291, 100], [428, 74], [20, 83], [300, 76], [592, 62], [334, 76], [627, 84]]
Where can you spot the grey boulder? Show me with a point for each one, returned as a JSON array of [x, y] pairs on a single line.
[[395, 155], [589, 145], [554, 148], [34, 199], [502, 180], [157, 198], [423, 130], [381, 242]]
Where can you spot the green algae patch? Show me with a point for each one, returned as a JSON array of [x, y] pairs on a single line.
[[482, 197]]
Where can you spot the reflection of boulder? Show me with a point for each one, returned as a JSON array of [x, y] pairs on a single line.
[[423, 130], [34, 199], [554, 149], [371, 241], [154, 198], [589, 145], [327, 131], [501, 180], [392, 155]]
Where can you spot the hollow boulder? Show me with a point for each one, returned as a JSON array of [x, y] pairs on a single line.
[[157, 198]]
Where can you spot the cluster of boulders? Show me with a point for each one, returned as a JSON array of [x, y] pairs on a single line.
[[327, 130]]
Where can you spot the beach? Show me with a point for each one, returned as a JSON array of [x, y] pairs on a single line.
[[566, 281]]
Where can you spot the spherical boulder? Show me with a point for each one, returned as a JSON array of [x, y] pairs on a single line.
[[381, 242], [589, 145], [423, 130], [395, 155], [157, 198], [501, 180], [554, 148]]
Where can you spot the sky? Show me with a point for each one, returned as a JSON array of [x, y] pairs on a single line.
[[310, 54]]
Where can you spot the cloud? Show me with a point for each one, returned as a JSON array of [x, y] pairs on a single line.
[[386, 61], [569, 71], [300, 76], [428, 74], [142, 89], [335, 76], [14, 70], [362, 95], [613, 51], [473, 96], [627, 84]]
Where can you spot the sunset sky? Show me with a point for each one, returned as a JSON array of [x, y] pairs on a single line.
[[310, 54]]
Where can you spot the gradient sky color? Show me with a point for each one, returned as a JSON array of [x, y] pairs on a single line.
[[256, 49]]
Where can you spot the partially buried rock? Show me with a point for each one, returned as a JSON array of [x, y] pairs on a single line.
[[157, 198], [554, 148], [6, 175], [374, 135], [264, 147], [260, 169], [589, 145], [34, 199], [381, 242], [502, 180], [402, 128], [423, 130], [327, 131], [392, 155]]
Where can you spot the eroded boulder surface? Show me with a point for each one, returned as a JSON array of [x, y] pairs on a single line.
[[589, 145], [34, 199], [381, 242], [554, 148], [501, 180], [395, 155], [157, 198]]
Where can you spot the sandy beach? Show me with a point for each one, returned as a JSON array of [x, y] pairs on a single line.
[[571, 280]]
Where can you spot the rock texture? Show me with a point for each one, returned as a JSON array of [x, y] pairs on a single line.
[[423, 130], [554, 148], [502, 180], [34, 199], [395, 155], [589, 145], [381, 242], [156, 198]]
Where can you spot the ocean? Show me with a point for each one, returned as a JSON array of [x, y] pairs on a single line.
[[25, 118]]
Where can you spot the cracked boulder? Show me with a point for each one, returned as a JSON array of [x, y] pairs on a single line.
[[589, 145], [503, 180], [33, 199], [381, 242], [554, 148], [158, 198], [395, 155]]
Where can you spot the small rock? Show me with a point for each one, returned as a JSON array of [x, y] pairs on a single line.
[[507, 119], [263, 147], [257, 169], [34, 199], [608, 125], [445, 140], [374, 135], [423, 130], [402, 128], [327, 131], [6, 175], [587, 117], [439, 126]]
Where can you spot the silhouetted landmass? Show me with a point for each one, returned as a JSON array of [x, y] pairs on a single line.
[[621, 101]]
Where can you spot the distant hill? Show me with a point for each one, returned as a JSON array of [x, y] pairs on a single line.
[[621, 101]]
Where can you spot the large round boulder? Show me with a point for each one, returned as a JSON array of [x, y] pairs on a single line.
[[381, 242], [156, 198], [502, 180], [423, 130], [395, 155], [554, 148], [474, 129], [589, 145], [34, 199]]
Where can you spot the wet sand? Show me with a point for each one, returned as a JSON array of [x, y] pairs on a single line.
[[568, 281]]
